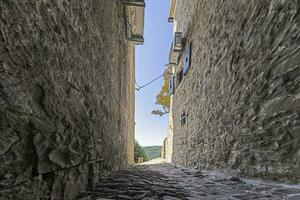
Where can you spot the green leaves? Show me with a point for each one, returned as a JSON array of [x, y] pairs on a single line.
[[139, 152], [163, 98]]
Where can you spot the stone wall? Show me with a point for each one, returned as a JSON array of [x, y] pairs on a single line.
[[164, 149], [242, 92], [169, 145], [66, 93], [184, 13]]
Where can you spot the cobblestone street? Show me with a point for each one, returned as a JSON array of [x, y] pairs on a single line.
[[165, 181]]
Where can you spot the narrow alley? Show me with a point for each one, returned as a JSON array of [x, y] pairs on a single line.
[[211, 88]]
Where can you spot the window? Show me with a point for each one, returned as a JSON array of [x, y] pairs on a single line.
[[187, 58], [180, 76], [172, 84], [183, 118]]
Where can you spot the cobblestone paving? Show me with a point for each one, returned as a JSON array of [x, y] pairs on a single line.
[[168, 182]]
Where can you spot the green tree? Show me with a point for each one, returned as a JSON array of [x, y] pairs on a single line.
[[139, 152], [163, 98]]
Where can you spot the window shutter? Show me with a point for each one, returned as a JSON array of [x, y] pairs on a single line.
[[187, 59], [172, 86]]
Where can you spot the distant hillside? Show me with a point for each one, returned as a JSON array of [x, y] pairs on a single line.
[[152, 152]]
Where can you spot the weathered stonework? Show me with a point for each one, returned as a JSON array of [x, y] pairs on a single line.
[[164, 149], [170, 139], [66, 96], [242, 91]]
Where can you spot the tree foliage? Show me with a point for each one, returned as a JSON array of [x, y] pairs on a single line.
[[139, 152], [163, 98], [152, 152]]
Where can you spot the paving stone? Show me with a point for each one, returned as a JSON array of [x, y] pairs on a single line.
[[86, 198], [165, 182], [103, 199], [124, 197], [139, 196], [170, 198], [287, 190], [293, 197]]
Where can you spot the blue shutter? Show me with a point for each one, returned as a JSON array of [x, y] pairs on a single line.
[[187, 59], [172, 86]]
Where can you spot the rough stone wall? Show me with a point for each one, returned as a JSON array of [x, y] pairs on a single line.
[[169, 148], [66, 93], [129, 106], [242, 92], [184, 13], [164, 149]]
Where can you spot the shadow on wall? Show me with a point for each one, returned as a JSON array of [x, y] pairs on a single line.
[[63, 122]]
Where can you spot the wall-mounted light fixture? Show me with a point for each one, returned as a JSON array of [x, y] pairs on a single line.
[[135, 14]]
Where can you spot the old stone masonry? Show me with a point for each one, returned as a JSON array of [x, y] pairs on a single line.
[[66, 94], [164, 181]]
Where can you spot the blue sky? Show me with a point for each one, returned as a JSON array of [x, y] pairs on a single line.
[[150, 63]]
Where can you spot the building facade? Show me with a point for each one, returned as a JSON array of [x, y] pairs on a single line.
[[67, 77], [236, 87]]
